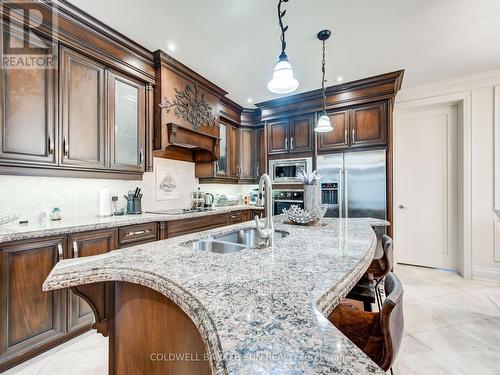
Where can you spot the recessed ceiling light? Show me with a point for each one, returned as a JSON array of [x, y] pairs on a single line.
[[249, 100], [171, 46], [340, 79]]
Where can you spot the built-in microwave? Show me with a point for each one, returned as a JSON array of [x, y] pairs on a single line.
[[285, 170]]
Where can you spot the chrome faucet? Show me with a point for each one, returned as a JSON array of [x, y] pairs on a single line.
[[266, 193]]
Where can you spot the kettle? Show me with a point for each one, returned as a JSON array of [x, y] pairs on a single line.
[[208, 200]]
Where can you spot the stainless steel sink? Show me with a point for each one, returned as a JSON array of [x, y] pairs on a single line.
[[217, 246], [234, 241], [248, 237]]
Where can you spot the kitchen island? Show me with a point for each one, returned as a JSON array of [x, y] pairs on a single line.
[[255, 311]]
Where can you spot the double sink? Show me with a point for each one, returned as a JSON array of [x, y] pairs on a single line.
[[235, 241]]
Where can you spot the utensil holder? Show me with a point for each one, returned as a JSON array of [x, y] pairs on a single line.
[[137, 206]]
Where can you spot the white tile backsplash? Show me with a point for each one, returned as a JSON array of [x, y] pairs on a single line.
[[30, 196]]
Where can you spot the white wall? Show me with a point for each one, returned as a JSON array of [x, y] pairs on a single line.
[[483, 112], [29, 196]]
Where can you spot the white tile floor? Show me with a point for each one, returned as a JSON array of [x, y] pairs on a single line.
[[452, 326]]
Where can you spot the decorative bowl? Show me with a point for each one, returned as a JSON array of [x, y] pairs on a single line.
[[300, 216]]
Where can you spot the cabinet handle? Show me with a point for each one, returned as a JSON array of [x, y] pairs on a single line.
[[286, 143], [75, 249], [353, 136], [139, 232], [65, 146], [346, 140], [291, 143], [60, 252], [51, 145], [141, 156]]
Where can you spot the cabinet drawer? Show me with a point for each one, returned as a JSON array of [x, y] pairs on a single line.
[[137, 234], [198, 224], [234, 217]]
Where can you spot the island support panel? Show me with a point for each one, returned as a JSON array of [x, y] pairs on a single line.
[[148, 333]]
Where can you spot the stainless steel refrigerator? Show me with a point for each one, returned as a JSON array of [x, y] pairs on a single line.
[[354, 183]]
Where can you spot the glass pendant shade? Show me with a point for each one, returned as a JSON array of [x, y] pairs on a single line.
[[283, 81], [323, 125]]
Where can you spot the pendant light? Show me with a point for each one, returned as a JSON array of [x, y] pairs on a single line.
[[323, 124], [283, 81]]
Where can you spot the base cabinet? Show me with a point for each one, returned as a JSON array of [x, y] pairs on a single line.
[[80, 314], [31, 320]]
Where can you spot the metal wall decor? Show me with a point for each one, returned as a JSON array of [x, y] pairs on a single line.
[[190, 104]]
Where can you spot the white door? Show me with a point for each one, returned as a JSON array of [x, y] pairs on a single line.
[[426, 187]]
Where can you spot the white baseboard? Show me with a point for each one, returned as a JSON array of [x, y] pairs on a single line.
[[486, 273]]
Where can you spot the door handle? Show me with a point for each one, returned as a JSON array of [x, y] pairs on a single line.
[[346, 139], [341, 188], [286, 143], [51, 145], [346, 194], [75, 249], [60, 255], [291, 143], [353, 136], [65, 146], [141, 156]]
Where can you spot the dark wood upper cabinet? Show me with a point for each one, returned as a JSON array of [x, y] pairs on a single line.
[[85, 244], [82, 87], [261, 152], [247, 153], [233, 152], [278, 137], [29, 317], [126, 119], [368, 125], [338, 138], [222, 166], [301, 133], [28, 114]]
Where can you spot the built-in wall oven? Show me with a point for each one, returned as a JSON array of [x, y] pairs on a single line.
[[283, 199], [285, 170]]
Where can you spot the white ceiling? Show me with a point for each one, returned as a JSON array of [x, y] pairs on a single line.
[[235, 43]]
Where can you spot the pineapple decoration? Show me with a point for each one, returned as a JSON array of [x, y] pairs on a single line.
[[313, 210]]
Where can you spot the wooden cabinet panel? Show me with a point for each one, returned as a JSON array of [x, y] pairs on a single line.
[[246, 215], [186, 226], [261, 152], [82, 245], [234, 157], [277, 140], [234, 217], [27, 114], [131, 235], [368, 125], [301, 133], [338, 138], [127, 122], [82, 83], [247, 151], [29, 317]]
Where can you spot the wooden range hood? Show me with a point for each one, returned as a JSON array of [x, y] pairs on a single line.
[[181, 143]]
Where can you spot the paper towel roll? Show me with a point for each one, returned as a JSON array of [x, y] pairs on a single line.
[[104, 202]]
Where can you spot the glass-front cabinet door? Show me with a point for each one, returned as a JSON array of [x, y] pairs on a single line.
[[127, 118], [222, 164]]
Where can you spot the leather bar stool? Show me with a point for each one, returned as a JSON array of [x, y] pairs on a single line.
[[377, 334], [380, 266]]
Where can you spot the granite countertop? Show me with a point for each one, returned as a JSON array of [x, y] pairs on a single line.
[[35, 229], [258, 311]]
